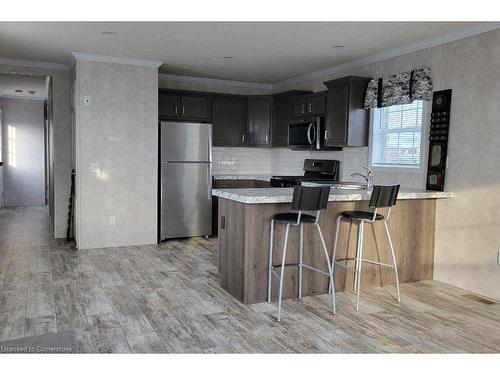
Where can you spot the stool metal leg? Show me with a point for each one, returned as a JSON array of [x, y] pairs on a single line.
[[335, 249], [301, 257], [359, 262], [349, 235], [393, 259], [282, 271], [330, 273], [269, 281], [356, 263]]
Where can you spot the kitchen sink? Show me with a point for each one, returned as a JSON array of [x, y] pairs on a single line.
[[348, 186], [340, 185]]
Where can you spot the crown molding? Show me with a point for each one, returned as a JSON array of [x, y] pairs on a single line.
[[115, 60], [443, 39], [222, 82], [34, 64]]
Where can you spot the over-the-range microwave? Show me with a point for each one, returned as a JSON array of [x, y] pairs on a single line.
[[308, 134]]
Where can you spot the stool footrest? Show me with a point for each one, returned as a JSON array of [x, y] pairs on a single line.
[[315, 269], [286, 265], [377, 263], [337, 262], [276, 274], [344, 266]]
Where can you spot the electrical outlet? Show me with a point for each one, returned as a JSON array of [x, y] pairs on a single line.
[[86, 101], [112, 220]]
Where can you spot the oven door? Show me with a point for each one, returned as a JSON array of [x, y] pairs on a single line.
[[303, 135]]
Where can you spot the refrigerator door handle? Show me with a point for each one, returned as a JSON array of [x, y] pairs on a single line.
[[209, 143], [209, 181]]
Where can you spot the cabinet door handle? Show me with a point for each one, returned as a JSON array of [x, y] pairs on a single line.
[[182, 109], [267, 138], [326, 134], [176, 109], [303, 108], [243, 138], [310, 107]]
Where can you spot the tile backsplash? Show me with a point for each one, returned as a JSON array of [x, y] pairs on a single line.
[[283, 161], [241, 160]]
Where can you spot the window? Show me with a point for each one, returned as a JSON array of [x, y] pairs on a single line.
[[396, 135]]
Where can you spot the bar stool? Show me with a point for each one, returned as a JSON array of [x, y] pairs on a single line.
[[304, 199], [382, 196]]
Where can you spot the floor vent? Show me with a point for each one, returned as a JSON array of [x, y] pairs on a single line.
[[475, 297]]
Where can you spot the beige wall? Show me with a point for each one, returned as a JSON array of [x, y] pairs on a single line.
[[24, 177], [1, 159], [119, 130], [468, 238], [61, 137]]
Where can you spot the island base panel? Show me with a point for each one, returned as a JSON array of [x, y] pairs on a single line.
[[244, 248]]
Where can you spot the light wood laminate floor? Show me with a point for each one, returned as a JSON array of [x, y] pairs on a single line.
[[167, 298]]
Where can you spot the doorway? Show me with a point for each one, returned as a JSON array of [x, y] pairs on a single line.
[[24, 132]]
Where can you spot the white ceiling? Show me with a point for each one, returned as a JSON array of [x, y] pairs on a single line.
[[266, 52], [9, 83]]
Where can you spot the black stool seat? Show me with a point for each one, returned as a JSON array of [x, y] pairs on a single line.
[[291, 217], [361, 215]]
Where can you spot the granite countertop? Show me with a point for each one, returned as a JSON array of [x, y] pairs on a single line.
[[261, 177], [284, 195]]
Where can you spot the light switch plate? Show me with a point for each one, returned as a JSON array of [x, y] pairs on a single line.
[[95, 168], [86, 101], [112, 220]]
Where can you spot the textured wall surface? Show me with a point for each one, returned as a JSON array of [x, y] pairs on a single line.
[[468, 238], [61, 145], [119, 132], [1, 159], [1, 186], [23, 149]]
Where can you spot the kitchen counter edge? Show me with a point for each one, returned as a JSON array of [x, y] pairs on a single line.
[[284, 195]]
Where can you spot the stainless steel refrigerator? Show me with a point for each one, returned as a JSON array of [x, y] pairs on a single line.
[[186, 179]]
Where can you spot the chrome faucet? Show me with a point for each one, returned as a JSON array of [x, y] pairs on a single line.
[[368, 178]]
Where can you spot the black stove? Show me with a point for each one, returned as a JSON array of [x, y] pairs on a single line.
[[315, 170]]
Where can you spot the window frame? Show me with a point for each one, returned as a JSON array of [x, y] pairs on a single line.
[[423, 146]]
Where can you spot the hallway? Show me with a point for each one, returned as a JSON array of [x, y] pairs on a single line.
[[166, 298]]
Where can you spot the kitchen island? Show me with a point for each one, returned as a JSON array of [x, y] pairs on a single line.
[[244, 224]]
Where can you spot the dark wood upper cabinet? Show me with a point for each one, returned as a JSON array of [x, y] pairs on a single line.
[[309, 105], [283, 104], [183, 106], [346, 121], [259, 120], [195, 107], [168, 105], [316, 104], [299, 107], [229, 119]]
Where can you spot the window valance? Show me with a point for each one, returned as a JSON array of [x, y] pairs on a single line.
[[401, 88]]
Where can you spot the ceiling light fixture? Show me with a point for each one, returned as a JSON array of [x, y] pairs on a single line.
[[32, 92], [338, 46], [108, 32], [227, 57], [19, 90]]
